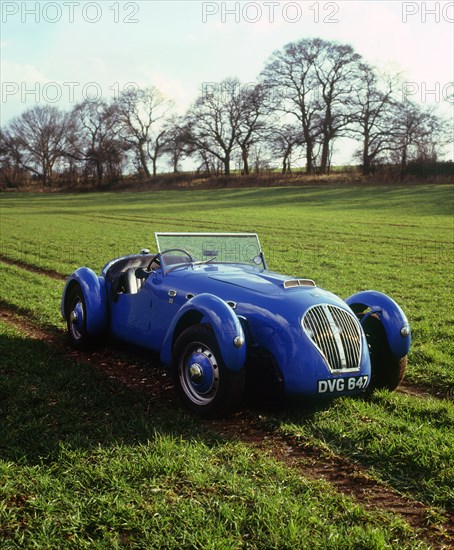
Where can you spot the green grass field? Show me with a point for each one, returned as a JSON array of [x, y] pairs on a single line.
[[86, 462]]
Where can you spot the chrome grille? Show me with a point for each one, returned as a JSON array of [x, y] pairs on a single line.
[[337, 335]]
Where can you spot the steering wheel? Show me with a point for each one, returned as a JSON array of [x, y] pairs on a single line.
[[157, 257], [191, 259]]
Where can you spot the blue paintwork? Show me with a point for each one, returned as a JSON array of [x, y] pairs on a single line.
[[222, 319], [391, 316], [205, 381], [221, 295], [94, 292]]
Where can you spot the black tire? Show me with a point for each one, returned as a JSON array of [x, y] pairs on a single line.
[[388, 371], [202, 380], [76, 319]]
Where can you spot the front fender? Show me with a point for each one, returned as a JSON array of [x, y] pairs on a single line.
[[391, 315], [95, 297], [207, 308]]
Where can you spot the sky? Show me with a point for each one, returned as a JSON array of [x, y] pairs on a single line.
[[59, 52]]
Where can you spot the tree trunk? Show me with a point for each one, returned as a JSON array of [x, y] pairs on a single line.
[[309, 161], [99, 171], [44, 167], [143, 161], [284, 165], [366, 158], [325, 156], [244, 154], [227, 165], [403, 165], [286, 161], [366, 165]]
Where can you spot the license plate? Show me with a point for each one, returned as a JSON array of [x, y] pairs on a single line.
[[339, 385]]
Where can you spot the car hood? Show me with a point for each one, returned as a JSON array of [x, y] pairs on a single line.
[[240, 283], [257, 280], [250, 281]]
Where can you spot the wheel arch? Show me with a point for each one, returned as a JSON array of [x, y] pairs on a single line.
[[93, 289], [393, 319], [188, 319], [209, 309]]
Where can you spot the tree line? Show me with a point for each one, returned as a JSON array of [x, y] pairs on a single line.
[[309, 94]]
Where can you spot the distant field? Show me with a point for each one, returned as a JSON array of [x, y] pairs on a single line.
[[96, 473]]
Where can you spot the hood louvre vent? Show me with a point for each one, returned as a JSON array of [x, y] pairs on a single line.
[[292, 283], [337, 335]]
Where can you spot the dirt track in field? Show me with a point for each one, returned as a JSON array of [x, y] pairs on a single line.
[[134, 370], [40, 270]]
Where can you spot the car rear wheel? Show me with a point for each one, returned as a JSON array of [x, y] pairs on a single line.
[[388, 371], [201, 378], [76, 318]]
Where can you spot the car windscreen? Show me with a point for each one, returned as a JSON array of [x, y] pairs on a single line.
[[215, 247]]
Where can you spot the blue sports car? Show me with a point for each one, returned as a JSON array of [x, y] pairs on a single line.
[[217, 316]]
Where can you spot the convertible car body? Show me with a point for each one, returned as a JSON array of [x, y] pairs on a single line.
[[213, 311]]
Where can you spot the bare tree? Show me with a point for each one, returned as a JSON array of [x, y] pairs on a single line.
[[259, 155], [38, 138], [252, 120], [293, 88], [213, 122], [209, 163], [373, 101], [96, 141], [336, 70], [157, 146], [416, 130], [141, 114], [311, 80], [12, 173], [176, 144], [283, 141]]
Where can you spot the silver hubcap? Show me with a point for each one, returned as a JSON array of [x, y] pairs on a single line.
[[196, 373], [199, 373], [76, 320]]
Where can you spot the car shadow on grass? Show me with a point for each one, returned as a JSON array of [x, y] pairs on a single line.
[[48, 400]]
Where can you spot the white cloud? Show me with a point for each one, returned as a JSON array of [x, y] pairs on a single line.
[[171, 87], [18, 72]]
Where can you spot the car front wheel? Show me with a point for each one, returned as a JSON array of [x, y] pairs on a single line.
[[201, 378], [388, 371], [76, 318]]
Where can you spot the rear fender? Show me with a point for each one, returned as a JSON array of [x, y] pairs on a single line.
[[392, 317], [209, 309], [95, 297]]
